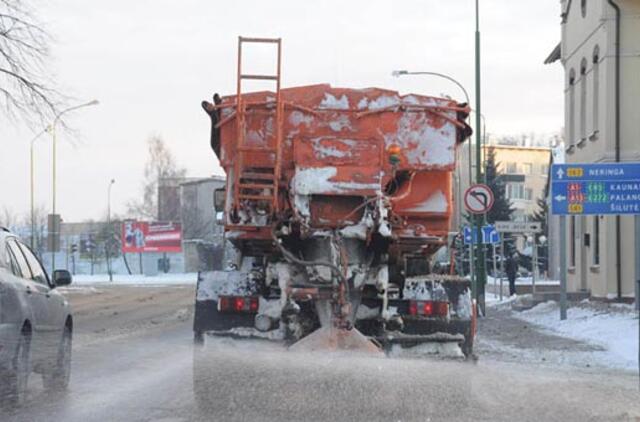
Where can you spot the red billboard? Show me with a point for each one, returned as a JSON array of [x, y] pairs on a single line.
[[141, 236]]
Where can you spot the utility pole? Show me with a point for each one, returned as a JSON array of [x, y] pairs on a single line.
[[481, 276], [56, 232], [109, 233]]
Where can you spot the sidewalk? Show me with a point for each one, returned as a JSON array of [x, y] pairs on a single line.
[[611, 329]]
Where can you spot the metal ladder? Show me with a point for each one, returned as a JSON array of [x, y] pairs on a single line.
[[257, 183]]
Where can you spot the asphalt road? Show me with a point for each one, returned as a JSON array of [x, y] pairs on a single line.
[[134, 359]]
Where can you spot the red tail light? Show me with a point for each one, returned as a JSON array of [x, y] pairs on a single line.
[[238, 304], [247, 304], [428, 308]]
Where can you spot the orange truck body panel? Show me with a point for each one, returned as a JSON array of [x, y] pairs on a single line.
[[334, 150]]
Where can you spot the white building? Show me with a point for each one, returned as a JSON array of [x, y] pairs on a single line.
[[600, 52]]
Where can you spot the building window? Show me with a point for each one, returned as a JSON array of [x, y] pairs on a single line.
[[596, 93], [512, 168], [596, 240], [528, 194], [572, 111], [572, 247], [526, 168], [516, 191], [583, 7], [583, 101]]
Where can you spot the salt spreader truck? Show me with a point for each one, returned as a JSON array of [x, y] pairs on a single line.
[[336, 201]]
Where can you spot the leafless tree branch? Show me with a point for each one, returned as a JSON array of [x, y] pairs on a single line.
[[26, 84]]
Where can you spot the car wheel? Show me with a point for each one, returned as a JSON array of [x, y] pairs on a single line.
[[58, 377], [13, 387]]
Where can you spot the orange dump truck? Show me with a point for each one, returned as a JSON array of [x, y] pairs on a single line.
[[336, 201]]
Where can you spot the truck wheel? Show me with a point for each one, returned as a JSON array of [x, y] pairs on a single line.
[[13, 384], [57, 379]]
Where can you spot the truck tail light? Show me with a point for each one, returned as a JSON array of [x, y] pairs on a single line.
[[428, 308], [241, 304]]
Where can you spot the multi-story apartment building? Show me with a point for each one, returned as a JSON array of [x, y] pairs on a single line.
[[600, 52]]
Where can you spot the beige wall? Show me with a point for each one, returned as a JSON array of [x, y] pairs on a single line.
[[590, 131]]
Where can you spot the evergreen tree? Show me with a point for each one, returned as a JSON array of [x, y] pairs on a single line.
[[501, 210]]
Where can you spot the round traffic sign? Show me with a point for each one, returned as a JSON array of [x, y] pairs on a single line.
[[478, 199]]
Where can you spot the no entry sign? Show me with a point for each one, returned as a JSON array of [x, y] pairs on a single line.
[[478, 199]]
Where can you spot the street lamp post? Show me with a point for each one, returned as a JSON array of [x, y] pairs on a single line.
[[481, 275], [31, 171], [109, 229], [53, 167]]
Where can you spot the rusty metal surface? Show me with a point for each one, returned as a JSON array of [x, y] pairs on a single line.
[[334, 143]]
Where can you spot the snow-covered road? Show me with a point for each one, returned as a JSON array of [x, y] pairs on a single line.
[[133, 361]]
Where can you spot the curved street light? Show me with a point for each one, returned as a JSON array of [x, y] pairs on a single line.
[[53, 135], [398, 73]]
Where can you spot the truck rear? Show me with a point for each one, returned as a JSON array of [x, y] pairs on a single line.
[[335, 203]]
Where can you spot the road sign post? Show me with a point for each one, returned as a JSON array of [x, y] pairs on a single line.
[[478, 200], [563, 267], [501, 265], [534, 267]]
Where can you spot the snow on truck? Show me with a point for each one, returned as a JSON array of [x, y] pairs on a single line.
[[336, 201]]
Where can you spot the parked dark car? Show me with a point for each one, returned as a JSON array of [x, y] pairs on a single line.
[[35, 322]]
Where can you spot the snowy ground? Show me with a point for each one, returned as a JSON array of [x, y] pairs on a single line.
[[134, 279], [612, 329], [522, 281]]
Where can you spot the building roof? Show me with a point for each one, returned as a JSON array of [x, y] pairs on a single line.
[[555, 55], [195, 181]]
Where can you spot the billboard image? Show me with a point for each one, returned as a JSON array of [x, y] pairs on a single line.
[[141, 236]]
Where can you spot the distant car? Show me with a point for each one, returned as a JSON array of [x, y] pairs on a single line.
[[36, 323]]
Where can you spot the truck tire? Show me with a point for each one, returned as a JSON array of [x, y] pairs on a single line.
[[13, 383], [57, 379]]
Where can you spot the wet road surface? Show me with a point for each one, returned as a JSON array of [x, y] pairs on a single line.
[[142, 370]]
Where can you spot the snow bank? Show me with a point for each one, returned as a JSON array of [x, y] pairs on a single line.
[[136, 279], [520, 280], [614, 327]]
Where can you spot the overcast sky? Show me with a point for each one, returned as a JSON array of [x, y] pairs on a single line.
[[151, 62]]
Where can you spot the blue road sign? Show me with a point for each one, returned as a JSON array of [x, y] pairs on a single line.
[[489, 235], [469, 236], [611, 188]]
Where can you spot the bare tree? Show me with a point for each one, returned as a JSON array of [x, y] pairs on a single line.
[[161, 164], [26, 86], [39, 227], [8, 218]]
